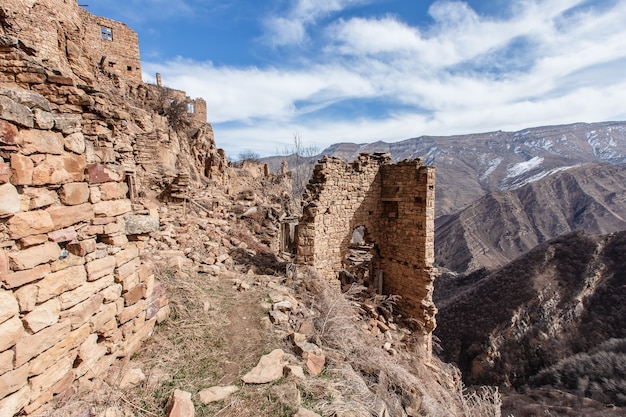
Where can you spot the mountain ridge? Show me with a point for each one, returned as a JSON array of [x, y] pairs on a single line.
[[470, 166]]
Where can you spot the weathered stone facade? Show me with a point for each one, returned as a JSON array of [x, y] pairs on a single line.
[[76, 291], [72, 40], [393, 207]]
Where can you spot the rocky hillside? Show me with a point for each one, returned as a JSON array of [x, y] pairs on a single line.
[[551, 317], [469, 166], [501, 226]]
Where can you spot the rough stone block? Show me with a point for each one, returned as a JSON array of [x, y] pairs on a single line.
[[81, 313], [17, 279], [59, 282], [64, 216], [139, 224], [40, 197], [59, 350], [4, 266], [41, 141], [126, 255], [134, 295], [29, 98], [112, 293], [9, 200], [46, 380], [118, 240], [74, 193], [113, 191], [69, 261], [43, 119], [31, 257], [130, 282], [11, 330], [75, 143], [131, 312], [34, 240], [42, 316], [15, 112], [128, 268], [8, 306], [32, 345], [9, 134], [105, 314], [82, 248], [90, 352], [100, 267], [59, 169], [112, 228], [6, 361], [5, 172], [101, 173], [22, 168], [26, 297], [63, 235], [134, 343], [112, 208], [30, 77], [85, 291], [30, 223], [67, 123], [12, 404], [13, 381]]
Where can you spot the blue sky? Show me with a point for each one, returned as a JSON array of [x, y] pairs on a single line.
[[366, 70]]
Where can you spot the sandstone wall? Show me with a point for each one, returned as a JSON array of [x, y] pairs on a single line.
[[76, 293], [395, 205], [68, 38]]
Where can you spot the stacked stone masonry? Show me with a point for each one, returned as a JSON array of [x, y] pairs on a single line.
[[394, 203], [76, 291], [68, 38]]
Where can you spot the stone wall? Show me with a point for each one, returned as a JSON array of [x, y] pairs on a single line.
[[394, 206], [70, 39], [76, 292]]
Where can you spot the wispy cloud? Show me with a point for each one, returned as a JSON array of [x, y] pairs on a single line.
[[290, 27], [542, 62]]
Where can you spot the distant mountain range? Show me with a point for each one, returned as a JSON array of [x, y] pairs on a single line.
[[469, 166]]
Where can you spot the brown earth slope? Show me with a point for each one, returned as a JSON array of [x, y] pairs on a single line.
[[551, 317], [503, 225]]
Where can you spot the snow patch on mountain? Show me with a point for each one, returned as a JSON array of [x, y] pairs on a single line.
[[520, 182], [520, 168], [491, 166]]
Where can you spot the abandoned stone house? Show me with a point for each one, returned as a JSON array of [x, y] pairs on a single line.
[[372, 222]]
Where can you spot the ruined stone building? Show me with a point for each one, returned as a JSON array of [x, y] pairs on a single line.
[[80, 139], [372, 222], [67, 38]]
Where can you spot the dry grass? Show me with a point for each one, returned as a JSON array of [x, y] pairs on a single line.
[[369, 378]]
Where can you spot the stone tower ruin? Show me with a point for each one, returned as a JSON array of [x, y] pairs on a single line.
[[385, 211]]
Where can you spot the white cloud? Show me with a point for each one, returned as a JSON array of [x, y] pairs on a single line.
[[545, 62], [291, 27]]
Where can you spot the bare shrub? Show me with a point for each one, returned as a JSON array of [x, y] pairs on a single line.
[[369, 378]]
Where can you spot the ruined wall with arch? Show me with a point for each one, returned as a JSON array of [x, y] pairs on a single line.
[[395, 205]]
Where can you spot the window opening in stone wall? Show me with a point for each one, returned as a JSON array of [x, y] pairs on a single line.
[[390, 209], [191, 108], [288, 232], [107, 33], [360, 263], [129, 68]]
